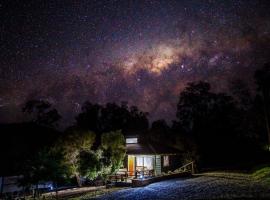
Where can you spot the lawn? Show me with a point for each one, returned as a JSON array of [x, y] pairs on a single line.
[[211, 185], [214, 185]]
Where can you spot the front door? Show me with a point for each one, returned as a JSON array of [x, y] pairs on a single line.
[[131, 165]]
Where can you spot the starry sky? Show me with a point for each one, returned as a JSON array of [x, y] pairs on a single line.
[[142, 52]]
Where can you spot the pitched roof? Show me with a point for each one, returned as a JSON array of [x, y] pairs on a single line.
[[150, 149]]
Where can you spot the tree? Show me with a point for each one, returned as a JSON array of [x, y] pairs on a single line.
[[72, 144], [46, 165], [89, 118], [113, 146], [90, 164], [42, 112], [111, 117], [160, 131], [194, 103], [262, 77], [240, 91], [106, 159], [208, 118], [138, 120], [19, 141], [249, 115]]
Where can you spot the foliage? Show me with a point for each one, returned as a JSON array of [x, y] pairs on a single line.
[[111, 117], [113, 140], [113, 145], [160, 131], [214, 122], [75, 142], [42, 112], [89, 164], [262, 77], [45, 165], [105, 160], [19, 142], [198, 107]]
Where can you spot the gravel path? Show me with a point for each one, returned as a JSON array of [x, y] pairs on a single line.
[[203, 186]]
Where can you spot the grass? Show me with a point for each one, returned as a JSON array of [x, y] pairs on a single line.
[[80, 196], [97, 193], [262, 175]]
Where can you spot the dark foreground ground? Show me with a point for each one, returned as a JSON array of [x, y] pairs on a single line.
[[203, 186]]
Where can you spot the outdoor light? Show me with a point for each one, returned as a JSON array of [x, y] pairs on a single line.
[[141, 176], [51, 187]]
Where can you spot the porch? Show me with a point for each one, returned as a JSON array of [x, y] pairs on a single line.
[[143, 178], [139, 166]]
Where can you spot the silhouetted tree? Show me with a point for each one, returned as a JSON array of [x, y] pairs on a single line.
[[42, 112], [111, 117], [195, 102], [208, 118], [45, 165], [262, 77], [241, 93], [249, 116], [19, 141], [160, 131], [89, 118]]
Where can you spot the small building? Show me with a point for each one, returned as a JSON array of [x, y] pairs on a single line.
[[10, 184], [148, 158]]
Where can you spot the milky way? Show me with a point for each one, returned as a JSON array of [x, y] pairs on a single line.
[[142, 52]]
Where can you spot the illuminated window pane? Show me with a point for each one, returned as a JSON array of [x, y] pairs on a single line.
[[148, 163], [166, 161], [131, 140], [144, 163], [139, 161]]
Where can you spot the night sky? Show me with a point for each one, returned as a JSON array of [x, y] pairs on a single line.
[[143, 52]]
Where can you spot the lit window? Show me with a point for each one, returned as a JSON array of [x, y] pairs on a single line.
[[139, 161], [148, 162], [166, 161], [144, 163], [131, 140]]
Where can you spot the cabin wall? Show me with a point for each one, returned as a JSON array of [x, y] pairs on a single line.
[[158, 162], [158, 165], [174, 163]]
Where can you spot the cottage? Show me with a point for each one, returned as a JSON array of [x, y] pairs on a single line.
[[149, 159]]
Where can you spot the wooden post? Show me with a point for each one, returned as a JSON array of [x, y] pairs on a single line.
[[192, 167]]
